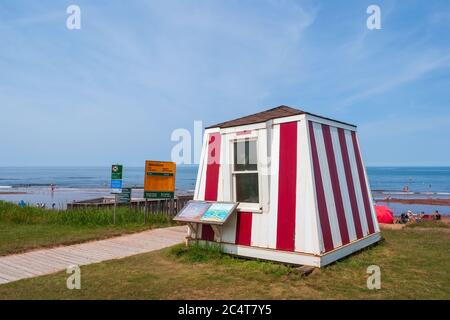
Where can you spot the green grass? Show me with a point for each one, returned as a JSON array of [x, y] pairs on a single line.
[[28, 228], [214, 255], [428, 224], [414, 265]]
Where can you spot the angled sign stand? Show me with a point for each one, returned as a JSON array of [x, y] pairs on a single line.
[[206, 212]]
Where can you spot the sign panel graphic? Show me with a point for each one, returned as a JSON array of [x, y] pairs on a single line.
[[124, 196], [193, 211], [218, 212], [116, 172], [159, 181], [206, 212], [116, 184], [116, 178]]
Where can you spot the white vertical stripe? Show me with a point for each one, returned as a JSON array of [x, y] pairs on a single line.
[[328, 188], [343, 183], [224, 193], [220, 181], [272, 217], [306, 231], [229, 229], [358, 191], [201, 174], [316, 205], [369, 191], [225, 168], [264, 168], [260, 220]]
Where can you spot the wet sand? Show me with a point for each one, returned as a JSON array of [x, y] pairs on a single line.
[[12, 193], [435, 202]]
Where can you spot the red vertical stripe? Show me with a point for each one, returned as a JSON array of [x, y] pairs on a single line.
[[207, 232], [321, 202], [244, 228], [335, 184], [362, 182], [212, 178], [212, 168], [287, 184], [350, 185]]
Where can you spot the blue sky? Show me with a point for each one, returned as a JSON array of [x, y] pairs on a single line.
[[116, 89]]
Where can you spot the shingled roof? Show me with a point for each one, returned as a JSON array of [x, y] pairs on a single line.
[[274, 113]]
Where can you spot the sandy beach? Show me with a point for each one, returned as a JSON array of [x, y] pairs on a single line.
[[435, 202], [12, 193]]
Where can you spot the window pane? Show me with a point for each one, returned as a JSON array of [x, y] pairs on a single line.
[[247, 187], [245, 157]]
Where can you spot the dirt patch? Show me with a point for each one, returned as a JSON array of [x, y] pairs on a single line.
[[396, 226]]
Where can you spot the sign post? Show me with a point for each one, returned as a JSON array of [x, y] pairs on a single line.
[[120, 198], [116, 184]]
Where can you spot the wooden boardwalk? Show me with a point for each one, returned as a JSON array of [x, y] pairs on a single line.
[[45, 261]]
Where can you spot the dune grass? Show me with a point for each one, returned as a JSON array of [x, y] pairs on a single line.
[[413, 262], [28, 228]]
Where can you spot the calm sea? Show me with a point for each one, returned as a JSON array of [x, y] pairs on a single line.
[[418, 179], [80, 183], [86, 177]]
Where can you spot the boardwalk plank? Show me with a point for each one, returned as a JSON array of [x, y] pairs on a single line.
[[46, 261]]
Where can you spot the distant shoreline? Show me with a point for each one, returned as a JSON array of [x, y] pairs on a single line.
[[12, 193], [434, 202], [409, 200]]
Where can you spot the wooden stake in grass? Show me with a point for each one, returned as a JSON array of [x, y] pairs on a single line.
[[145, 211], [115, 206]]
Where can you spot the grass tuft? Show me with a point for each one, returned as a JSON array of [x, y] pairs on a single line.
[[196, 253], [428, 224], [211, 253]]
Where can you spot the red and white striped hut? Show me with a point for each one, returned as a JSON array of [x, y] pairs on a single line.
[[302, 188]]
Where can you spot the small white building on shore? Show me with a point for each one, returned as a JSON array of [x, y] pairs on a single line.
[[301, 185]]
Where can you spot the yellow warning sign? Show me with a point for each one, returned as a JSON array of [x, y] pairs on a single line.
[[159, 181]]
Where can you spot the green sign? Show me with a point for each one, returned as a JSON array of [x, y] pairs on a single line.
[[158, 195], [124, 197], [116, 172], [160, 174]]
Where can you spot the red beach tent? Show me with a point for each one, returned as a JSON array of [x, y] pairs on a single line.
[[384, 214]]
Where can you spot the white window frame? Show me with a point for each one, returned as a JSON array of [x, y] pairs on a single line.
[[247, 206]]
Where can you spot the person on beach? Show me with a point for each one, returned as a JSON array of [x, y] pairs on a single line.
[[403, 218], [411, 216], [437, 215], [421, 216]]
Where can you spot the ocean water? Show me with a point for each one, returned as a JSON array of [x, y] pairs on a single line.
[[82, 183], [77, 183], [85, 177], [418, 179]]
